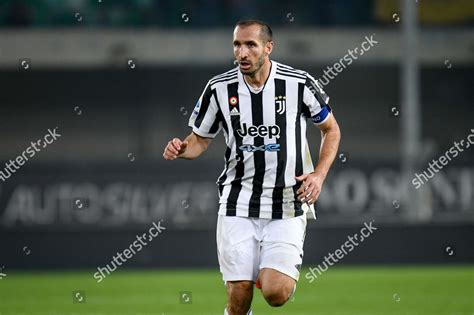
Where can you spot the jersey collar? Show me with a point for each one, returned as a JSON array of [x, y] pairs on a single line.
[[269, 80]]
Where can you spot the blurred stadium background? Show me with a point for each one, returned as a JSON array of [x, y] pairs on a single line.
[[120, 78]]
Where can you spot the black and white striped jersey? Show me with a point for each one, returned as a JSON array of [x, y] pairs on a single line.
[[265, 133]]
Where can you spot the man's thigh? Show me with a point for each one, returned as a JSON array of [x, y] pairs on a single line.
[[282, 247], [237, 248]]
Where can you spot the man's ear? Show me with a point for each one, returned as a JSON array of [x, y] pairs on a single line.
[[269, 47]]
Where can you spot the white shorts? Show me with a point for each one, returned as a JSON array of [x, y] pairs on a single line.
[[246, 245]]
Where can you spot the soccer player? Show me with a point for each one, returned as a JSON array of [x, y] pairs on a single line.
[[269, 185]]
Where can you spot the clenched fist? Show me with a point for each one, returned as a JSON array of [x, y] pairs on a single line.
[[174, 148]]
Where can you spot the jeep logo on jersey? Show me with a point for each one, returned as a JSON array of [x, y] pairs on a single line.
[[259, 131]]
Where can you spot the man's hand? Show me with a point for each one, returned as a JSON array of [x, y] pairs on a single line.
[[310, 188], [188, 149], [175, 148]]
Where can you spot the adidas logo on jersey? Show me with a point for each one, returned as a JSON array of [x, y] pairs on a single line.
[[234, 112]]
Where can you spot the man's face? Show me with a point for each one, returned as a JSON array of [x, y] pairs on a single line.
[[249, 49]]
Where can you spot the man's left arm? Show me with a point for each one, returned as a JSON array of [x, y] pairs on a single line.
[[313, 182]]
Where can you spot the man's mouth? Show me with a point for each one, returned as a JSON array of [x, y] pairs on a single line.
[[245, 65]]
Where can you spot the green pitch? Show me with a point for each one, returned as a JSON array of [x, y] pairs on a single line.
[[338, 291]]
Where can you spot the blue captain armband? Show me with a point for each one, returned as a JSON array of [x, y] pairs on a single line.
[[321, 117]]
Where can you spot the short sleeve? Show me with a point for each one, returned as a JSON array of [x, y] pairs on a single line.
[[205, 119], [316, 101]]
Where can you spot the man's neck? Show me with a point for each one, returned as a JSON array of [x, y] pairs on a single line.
[[258, 80]]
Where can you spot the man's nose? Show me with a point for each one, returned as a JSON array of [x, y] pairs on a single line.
[[243, 52]]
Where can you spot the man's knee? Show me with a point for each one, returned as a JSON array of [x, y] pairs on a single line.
[[277, 294], [240, 287], [240, 295]]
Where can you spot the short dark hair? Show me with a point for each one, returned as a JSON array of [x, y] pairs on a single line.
[[265, 30]]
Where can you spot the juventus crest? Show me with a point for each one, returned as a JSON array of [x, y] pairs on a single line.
[[280, 101]]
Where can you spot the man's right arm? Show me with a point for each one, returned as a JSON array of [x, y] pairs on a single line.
[[189, 149]]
